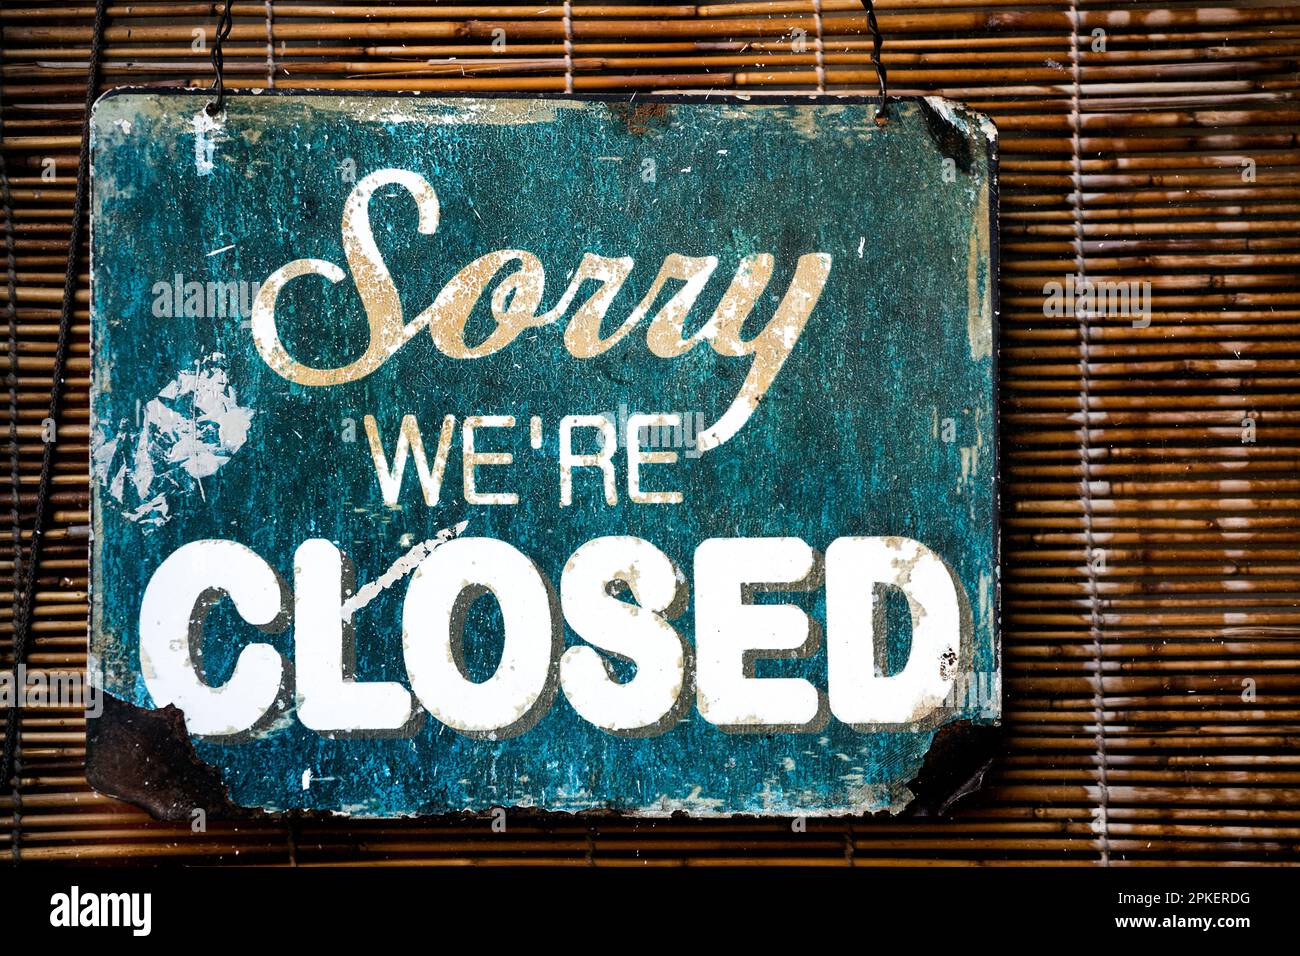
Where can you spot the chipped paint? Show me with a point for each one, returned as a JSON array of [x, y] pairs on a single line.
[[187, 432], [979, 310], [208, 131], [398, 570]]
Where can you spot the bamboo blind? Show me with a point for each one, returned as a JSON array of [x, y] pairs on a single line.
[[1151, 495]]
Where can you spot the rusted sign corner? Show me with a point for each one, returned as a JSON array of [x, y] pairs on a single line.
[[955, 766], [146, 757], [954, 129]]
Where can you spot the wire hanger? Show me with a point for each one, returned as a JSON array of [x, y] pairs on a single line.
[[224, 26]]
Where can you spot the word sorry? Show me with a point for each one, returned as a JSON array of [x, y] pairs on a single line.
[[731, 632], [517, 298]]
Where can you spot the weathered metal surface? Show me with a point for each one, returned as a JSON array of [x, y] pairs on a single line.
[[805, 299]]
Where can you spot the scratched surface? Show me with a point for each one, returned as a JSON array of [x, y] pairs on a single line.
[[881, 421]]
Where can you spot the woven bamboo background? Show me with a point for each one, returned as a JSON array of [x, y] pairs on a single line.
[[1151, 489]]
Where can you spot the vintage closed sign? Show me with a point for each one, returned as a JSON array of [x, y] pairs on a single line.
[[454, 453]]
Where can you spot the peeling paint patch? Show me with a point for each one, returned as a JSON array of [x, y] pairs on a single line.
[[208, 132], [185, 434], [979, 311]]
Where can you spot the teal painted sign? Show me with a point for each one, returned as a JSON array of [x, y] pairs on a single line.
[[464, 452]]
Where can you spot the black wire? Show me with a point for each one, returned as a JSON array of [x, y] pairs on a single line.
[[23, 600], [224, 26], [11, 313], [877, 41], [15, 475]]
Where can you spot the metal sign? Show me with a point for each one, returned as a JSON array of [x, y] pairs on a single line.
[[463, 452]]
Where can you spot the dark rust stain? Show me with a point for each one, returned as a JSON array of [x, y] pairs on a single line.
[[950, 141], [955, 766], [641, 118], [145, 757]]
